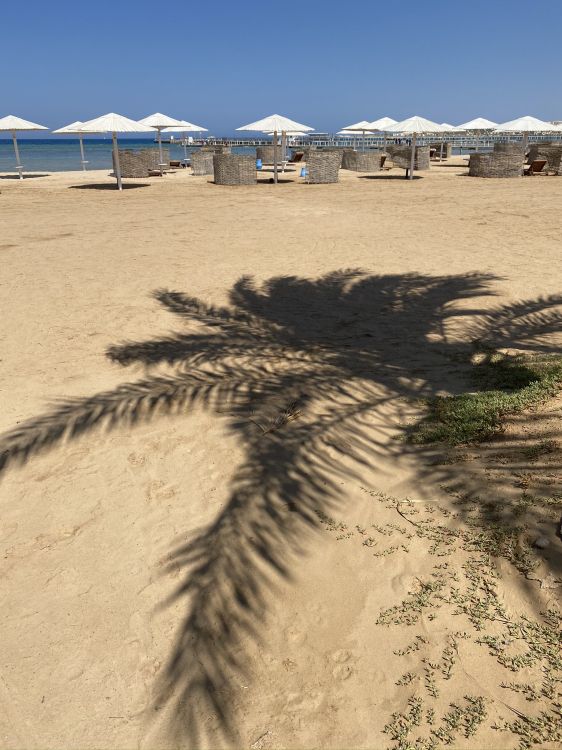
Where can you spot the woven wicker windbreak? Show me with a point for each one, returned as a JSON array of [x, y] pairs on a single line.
[[496, 164], [447, 149], [552, 152], [323, 166], [401, 156], [509, 148], [265, 153], [152, 157], [216, 149], [132, 163], [362, 161], [202, 162], [234, 169]]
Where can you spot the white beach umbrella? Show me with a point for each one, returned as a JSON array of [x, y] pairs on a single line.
[[158, 121], [114, 123], [382, 122], [415, 126], [12, 124], [185, 127], [526, 125], [276, 124], [359, 127], [479, 125], [72, 129]]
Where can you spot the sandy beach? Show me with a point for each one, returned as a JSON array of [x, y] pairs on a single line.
[[213, 533]]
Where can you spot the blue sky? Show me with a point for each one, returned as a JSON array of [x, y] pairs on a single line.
[[326, 64]]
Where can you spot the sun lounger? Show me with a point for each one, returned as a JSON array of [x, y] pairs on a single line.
[[535, 167]]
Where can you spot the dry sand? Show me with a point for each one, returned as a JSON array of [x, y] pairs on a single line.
[[244, 470]]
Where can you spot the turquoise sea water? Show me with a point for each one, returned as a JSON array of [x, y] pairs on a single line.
[[46, 155]]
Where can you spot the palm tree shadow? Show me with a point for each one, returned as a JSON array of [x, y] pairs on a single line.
[[302, 369]]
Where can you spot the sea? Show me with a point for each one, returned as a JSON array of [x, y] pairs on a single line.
[[49, 155]]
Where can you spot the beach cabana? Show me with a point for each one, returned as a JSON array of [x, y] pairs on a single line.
[[12, 124], [276, 124], [72, 129], [526, 125], [114, 123], [413, 127], [158, 121], [359, 127], [478, 126], [185, 127]]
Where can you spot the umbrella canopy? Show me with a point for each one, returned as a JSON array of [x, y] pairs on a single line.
[[114, 123], [348, 133], [415, 125], [451, 128], [73, 129], [526, 124], [299, 133], [13, 124], [184, 127], [382, 122], [358, 126], [480, 123], [275, 124]]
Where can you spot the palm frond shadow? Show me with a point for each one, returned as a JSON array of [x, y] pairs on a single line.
[[314, 376]]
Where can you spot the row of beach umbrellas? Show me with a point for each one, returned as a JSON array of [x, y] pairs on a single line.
[[274, 125], [110, 123], [416, 126]]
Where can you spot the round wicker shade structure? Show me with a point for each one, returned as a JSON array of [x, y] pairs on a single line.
[[114, 123], [276, 124], [12, 124], [158, 121], [415, 126]]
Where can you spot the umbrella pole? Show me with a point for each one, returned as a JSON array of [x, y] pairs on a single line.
[[82, 153], [412, 157], [275, 156], [18, 165], [477, 142], [283, 149], [160, 153], [441, 152], [116, 160], [185, 147], [363, 141]]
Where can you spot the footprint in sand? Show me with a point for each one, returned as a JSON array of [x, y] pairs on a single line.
[[136, 459], [158, 490], [295, 635], [342, 671]]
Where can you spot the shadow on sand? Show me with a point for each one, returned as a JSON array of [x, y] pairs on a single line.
[[109, 186], [25, 176], [300, 368]]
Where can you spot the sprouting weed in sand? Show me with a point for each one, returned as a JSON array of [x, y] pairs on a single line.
[[406, 678], [471, 591]]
